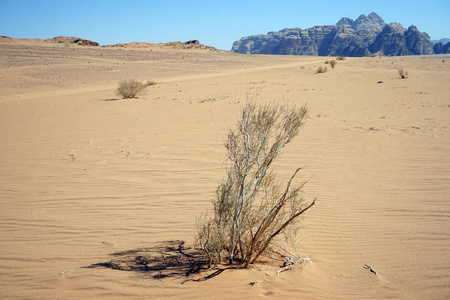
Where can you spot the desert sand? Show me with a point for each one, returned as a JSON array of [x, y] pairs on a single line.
[[88, 178]]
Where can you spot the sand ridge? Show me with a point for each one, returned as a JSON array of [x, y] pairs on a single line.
[[88, 177]]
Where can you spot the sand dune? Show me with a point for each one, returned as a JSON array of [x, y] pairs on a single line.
[[88, 178]]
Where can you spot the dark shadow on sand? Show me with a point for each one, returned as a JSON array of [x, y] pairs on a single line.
[[170, 259], [112, 99]]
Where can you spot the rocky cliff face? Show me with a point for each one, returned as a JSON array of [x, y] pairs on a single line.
[[396, 40], [361, 37], [440, 48]]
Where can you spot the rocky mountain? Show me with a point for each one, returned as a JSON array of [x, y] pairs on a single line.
[[443, 41], [361, 37], [440, 48], [396, 40]]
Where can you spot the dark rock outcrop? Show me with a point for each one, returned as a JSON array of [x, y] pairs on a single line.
[[440, 48], [193, 44], [361, 37], [72, 40], [83, 42]]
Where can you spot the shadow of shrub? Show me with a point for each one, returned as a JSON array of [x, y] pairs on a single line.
[[166, 260]]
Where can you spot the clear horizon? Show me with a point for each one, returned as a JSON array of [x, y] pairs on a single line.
[[213, 23]]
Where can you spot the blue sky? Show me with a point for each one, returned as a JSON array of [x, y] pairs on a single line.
[[213, 23]]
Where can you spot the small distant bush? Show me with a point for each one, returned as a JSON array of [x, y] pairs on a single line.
[[403, 73], [327, 62], [333, 63], [130, 88], [340, 58], [322, 69]]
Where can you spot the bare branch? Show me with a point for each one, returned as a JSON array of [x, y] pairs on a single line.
[[281, 229]]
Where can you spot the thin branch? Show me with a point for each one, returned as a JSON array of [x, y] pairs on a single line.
[[281, 229], [268, 220], [367, 267], [288, 267]]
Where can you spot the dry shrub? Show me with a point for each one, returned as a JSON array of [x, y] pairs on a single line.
[[340, 58], [322, 69], [333, 63], [130, 88], [403, 73], [251, 208]]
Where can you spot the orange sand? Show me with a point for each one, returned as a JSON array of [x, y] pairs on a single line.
[[86, 176]]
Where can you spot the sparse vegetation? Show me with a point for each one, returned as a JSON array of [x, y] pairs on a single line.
[[150, 83], [340, 58], [327, 62], [251, 209], [403, 73], [322, 69], [131, 88], [333, 63]]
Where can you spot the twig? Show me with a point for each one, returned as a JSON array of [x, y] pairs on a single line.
[[218, 272], [367, 267], [305, 259], [288, 267], [66, 271], [264, 272], [35, 211]]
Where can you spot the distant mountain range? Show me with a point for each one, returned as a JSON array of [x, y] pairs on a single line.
[[443, 41], [365, 36]]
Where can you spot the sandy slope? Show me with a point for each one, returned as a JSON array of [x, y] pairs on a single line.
[[87, 177]]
